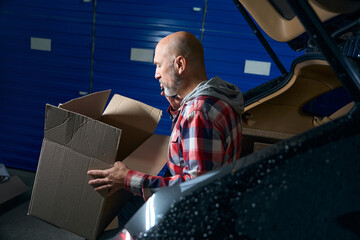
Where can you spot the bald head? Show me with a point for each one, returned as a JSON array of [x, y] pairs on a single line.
[[184, 44], [179, 60]]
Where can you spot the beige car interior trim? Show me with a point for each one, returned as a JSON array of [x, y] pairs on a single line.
[[274, 25], [281, 111], [258, 139], [297, 70], [266, 133], [338, 6], [339, 113]]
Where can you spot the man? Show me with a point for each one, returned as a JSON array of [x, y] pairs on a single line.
[[207, 124]]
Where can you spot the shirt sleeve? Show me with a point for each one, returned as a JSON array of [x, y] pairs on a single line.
[[202, 151]]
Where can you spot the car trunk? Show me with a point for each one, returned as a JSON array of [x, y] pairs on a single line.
[[279, 114]]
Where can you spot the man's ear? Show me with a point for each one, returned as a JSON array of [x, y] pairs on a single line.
[[180, 63]]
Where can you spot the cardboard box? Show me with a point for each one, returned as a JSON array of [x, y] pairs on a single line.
[[80, 136]]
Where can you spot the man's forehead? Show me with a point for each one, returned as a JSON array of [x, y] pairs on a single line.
[[159, 52], [156, 57]]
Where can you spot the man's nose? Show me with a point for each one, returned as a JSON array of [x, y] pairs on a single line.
[[157, 74]]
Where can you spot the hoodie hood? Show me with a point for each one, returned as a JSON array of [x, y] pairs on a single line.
[[218, 88]]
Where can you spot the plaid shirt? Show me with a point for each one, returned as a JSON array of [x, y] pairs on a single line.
[[206, 135]]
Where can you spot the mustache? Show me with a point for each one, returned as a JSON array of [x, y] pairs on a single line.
[[162, 83]]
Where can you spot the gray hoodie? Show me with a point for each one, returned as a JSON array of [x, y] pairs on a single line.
[[220, 89]]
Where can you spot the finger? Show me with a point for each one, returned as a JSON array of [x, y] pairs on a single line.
[[97, 173], [103, 187], [98, 181]]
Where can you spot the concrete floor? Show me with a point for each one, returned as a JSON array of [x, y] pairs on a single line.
[[16, 224]]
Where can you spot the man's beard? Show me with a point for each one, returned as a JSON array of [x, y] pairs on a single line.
[[172, 91]]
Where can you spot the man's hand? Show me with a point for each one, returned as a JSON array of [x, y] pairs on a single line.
[[112, 179]]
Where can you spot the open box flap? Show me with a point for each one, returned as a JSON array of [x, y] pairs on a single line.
[[82, 134], [151, 156], [137, 121], [133, 113], [91, 105]]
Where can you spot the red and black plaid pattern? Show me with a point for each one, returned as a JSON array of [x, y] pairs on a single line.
[[206, 135]]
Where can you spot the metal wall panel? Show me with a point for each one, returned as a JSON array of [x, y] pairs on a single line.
[[31, 78]]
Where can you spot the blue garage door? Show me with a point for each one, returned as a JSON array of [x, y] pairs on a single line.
[[53, 50], [45, 55]]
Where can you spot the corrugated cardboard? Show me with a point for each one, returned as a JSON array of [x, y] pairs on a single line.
[[12, 188], [155, 148], [80, 136]]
